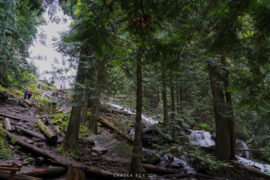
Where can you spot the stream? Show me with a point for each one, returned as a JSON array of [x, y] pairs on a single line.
[[199, 138]]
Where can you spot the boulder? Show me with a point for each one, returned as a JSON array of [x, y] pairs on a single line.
[[110, 148], [3, 96]]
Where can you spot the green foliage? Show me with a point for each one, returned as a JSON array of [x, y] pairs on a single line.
[[207, 160], [61, 120], [5, 152], [84, 131], [18, 28], [206, 127]]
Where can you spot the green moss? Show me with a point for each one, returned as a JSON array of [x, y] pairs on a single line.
[[5, 152]]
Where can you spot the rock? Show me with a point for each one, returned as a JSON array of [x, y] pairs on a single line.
[[152, 136], [28, 161], [3, 96], [110, 148], [30, 141]]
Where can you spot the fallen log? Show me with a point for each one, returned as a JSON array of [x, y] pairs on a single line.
[[108, 124], [25, 144], [13, 117], [50, 171], [29, 103], [23, 104], [32, 133], [158, 170], [50, 135], [13, 110], [60, 160], [75, 173], [7, 124], [5, 176]]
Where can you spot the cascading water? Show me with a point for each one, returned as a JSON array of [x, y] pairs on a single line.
[[147, 119], [165, 160], [242, 145], [204, 139], [201, 138], [52, 66]]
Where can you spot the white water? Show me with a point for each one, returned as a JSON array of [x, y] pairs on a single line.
[[147, 119], [201, 138], [242, 145], [43, 52], [173, 162], [204, 139], [265, 168]]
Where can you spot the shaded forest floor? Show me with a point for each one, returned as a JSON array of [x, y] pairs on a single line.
[[107, 152]]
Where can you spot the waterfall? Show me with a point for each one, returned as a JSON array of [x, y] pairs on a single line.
[[51, 65], [201, 138], [204, 139], [242, 145], [147, 119]]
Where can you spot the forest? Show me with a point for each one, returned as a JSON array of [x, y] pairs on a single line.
[[135, 89]]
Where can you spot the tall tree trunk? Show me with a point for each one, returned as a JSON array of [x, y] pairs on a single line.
[[165, 101], [177, 95], [222, 125], [71, 138], [172, 124], [85, 108], [96, 100], [136, 155], [230, 113]]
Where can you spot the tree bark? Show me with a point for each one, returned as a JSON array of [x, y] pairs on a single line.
[[7, 124], [32, 133], [50, 135], [222, 125], [107, 123], [50, 171], [71, 138], [96, 100], [135, 164], [165, 100], [85, 108], [172, 128], [6, 176], [75, 173], [230, 113]]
